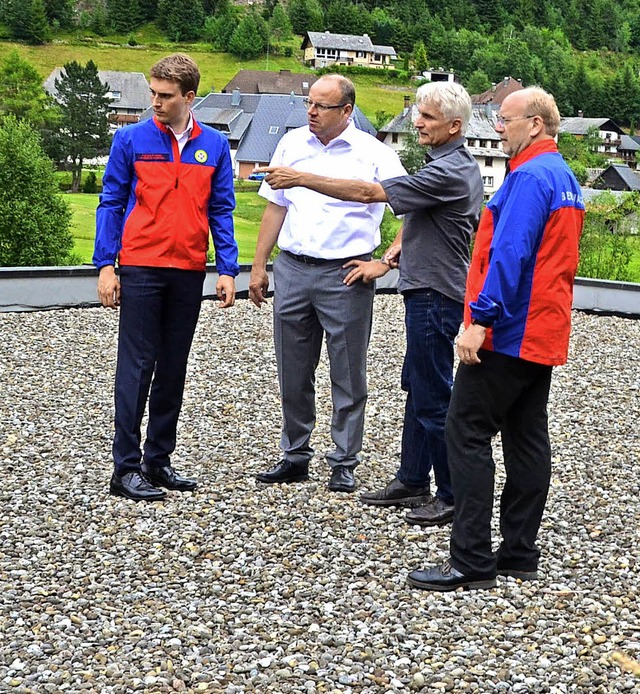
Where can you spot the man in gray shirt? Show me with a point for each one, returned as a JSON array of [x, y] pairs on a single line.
[[441, 204]]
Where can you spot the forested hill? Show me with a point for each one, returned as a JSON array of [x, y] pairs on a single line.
[[584, 51]]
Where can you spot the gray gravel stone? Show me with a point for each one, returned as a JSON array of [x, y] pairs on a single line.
[[242, 588]]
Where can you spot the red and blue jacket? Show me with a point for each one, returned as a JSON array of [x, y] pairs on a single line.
[[158, 204], [525, 256]]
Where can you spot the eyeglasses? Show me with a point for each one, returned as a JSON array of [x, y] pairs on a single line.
[[321, 107], [501, 120]]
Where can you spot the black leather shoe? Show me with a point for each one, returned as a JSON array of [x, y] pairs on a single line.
[[518, 573], [133, 485], [168, 478], [434, 512], [445, 577], [397, 494], [342, 479], [283, 472]]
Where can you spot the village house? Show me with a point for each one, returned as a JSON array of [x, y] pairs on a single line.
[[322, 49], [270, 82], [128, 92]]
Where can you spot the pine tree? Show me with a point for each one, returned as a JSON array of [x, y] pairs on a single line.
[[420, 57], [84, 131], [248, 40], [280, 24], [183, 20], [28, 21], [124, 15]]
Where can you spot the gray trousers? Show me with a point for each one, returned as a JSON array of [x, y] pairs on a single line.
[[311, 301]]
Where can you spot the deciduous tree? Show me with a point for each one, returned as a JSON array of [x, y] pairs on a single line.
[[34, 219]]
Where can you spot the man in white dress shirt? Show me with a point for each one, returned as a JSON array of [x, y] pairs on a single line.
[[320, 287]]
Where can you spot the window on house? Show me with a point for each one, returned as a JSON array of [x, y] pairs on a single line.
[[394, 138], [488, 161], [494, 144], [273, 130], [487, 180], [115, 95], [359, 54]]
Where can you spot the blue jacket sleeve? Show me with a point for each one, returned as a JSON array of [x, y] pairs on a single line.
[[518, 228], [110, 215], [221, 205]]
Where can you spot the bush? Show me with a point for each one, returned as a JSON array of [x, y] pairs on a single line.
[[34, 219], [605, 252], [90, 184]]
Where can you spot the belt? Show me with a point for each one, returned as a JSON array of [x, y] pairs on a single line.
[[310, 260]]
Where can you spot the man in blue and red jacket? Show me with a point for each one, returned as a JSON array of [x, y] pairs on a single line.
[[517, 324], [168, 182]]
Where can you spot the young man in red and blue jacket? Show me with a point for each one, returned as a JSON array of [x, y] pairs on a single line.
[[517, 324], [168, 182]]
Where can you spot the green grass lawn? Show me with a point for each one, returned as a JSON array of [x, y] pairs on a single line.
[[249, 208]]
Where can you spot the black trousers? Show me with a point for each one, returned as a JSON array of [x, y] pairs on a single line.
[[158, 315], [508, 395]]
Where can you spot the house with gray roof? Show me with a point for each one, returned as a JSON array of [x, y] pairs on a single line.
[[322, 49], [629, 150], [128, 92], [617, 177], [270, 82], [608, 131], [255, 123]]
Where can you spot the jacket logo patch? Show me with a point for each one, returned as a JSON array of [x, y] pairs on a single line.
[[201, 156], [149, 156]]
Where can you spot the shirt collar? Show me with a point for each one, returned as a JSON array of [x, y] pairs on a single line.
[[347, 135], [446, 148], [187, 130]]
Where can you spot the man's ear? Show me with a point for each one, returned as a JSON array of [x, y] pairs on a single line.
[[455, 127], [190, 96]]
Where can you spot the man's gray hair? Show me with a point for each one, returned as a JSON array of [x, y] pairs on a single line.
[[450, 98]]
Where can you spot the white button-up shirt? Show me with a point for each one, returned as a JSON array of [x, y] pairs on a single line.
[[320, 226]]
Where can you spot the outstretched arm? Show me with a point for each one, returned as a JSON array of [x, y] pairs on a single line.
[[280, 177]]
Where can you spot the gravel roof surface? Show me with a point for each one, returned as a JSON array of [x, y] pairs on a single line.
[[243, 588]]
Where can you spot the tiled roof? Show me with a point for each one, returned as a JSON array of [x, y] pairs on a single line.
[[133, 87]]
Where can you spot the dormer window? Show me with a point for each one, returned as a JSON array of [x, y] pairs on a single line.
[[273, 130]]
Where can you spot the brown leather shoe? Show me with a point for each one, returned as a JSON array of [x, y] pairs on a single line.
[[434, 512], [397, 494]]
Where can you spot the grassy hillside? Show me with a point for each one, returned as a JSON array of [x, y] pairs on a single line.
[[216, 68]]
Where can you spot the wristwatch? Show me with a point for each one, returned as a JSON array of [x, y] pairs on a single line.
[[483, 323]]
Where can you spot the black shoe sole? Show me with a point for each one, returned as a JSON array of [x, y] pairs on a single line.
[[522, 575], [404, 502], [341, 488], [288, 480], [171, 489], [115, 491], [429, 524], [467, 585]]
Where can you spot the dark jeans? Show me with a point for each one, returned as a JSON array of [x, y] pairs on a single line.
[[158, 315], [509, 395], [432, 321]]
